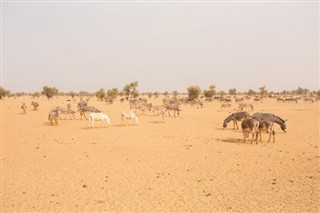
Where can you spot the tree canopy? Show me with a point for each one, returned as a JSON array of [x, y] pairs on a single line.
[[50, 92]]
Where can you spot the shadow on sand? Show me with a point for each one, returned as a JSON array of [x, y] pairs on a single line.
[[231, 140]]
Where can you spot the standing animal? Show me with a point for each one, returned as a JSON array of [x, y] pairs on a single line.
[[99, 117], [241, 106], [271, 117], [54, 115], [83, 108], [24, 108], [266, 126], [250, 126], [68, 111], [225, 105], [160, 111], [237, 116], [172, 107], [129, 115], [35, 105]]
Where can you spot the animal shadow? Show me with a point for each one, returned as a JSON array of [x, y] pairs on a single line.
[[231, 140]]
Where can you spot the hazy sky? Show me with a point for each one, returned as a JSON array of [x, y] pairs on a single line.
[[165, 46]]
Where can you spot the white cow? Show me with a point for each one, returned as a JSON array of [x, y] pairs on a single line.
[[98, 116]]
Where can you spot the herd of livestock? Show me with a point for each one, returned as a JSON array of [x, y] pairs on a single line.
[[251, 124]]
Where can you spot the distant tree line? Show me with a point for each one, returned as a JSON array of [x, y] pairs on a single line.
[[130, 91]]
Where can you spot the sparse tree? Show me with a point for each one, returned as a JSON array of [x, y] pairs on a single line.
[[36, 95], [222, 93], [211, 92], [251, 92], [166, 94], [149, 94], [100, 94], [175, 93], [112, 93], [134, 85], [263, 92], [4, 93], [50, 92], [156, 95], [194, 92], [126, 90], [232, 91], [131, 89], [301, 91], [135, 93]]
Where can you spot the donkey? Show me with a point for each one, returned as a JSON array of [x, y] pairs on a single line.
[[250, 125], [172, 107], [67, 111], [237, 116], [54, 115], [245, 105], [99, 116], [24, 108], [129, 115], [159, 111], [272, 118], [35, 105], [266, 126], [83, 108]]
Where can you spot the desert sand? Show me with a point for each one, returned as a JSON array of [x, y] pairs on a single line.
[[184, 164]]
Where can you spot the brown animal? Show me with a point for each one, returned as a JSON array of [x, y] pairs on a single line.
[[250, 126], [35, 105], [266, 126], [54, 115], [24, 108]]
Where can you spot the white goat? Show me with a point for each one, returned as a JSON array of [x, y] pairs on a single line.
[[129, 115]]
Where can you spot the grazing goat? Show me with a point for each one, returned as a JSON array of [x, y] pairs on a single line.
[[237, 116], [271, 117], [35, 105], [24, 108], [129, 115], [266, 126], [250, 126], [99, 117]]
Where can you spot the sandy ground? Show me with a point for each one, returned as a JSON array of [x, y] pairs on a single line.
[[185, 164]]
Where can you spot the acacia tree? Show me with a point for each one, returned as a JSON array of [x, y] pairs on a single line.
[[149, 94], [251, 92], [131, 89], [263, 92], [112, 93], [156, 95], [100, 94], [211, 92], [4, 93], [232, 91], [166, 94], [194, 92], [175, 93], [50, 92]]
